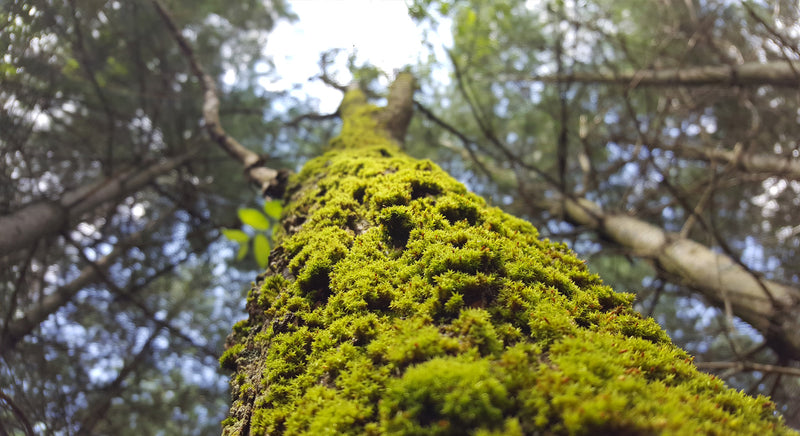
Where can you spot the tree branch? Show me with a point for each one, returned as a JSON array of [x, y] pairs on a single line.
[[271, 181], [19, 328], [779, 166], [714, 275], [45, 218], [750, 366], [780, 74]]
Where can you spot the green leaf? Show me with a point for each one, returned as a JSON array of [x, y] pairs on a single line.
[[261, 250], [254, 218], [236, 235], [273, 208], [242, 251]]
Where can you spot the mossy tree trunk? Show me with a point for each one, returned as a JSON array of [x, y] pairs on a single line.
[[397, 302]]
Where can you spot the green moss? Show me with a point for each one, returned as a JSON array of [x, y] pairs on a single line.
[[397, 302], [444, 396]]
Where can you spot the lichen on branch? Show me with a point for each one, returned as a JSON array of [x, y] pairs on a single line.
[[397, 302]]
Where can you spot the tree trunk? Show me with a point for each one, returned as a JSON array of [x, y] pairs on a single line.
[[398, 302]]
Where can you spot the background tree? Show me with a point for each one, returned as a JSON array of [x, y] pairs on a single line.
[[112, 313]]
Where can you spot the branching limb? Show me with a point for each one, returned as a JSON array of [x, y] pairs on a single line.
[[750, 366], [271, 181]]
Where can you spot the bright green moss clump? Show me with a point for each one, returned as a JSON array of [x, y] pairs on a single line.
[[399, 303]]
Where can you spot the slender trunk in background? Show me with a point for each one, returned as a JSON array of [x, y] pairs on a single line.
[[398, 303]]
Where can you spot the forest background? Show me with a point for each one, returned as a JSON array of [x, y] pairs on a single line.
[[675, 124]]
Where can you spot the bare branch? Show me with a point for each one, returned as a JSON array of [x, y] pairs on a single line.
[[41, 219], [714, 275], [270, 180], [774, 165], [780, 74], [750, 366], [93, 273]]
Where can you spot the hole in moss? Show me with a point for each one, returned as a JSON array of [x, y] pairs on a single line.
[[422, 188], [459, 240], [478, 294], [318, 285], [379, 300], [455, 211], [358, 194], [424, 165], [357, 224], [398, 225]]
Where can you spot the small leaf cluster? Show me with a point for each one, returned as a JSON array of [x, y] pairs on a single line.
[[264, 226]]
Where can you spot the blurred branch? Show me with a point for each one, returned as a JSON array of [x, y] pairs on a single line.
[[271, 181], [485, 127], [295, 122], [324, 61], [782, 39], [28, 224], [19, 415], [128, 294], [468, 143], [98, 410], [780, 74], [86, 64], [779, 166], [750, 366], [17, 329]]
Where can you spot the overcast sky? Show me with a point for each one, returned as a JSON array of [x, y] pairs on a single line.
[[379, 30]]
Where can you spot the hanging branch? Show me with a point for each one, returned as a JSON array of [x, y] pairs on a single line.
[[271, 181]]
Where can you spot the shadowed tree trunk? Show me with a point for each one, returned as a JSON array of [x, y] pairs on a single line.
[[398, 302]]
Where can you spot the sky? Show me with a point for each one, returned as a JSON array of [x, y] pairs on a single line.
[[380, 31]]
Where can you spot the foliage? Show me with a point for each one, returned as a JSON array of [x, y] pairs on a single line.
[[265, 225], [94, 92]]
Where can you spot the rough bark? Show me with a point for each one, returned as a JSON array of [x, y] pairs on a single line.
[[782, 74], [770, 307], [396, 302]]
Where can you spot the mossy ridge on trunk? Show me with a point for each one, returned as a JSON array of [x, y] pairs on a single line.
[[399, 303]]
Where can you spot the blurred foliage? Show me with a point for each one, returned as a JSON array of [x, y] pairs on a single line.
[[88, 90]]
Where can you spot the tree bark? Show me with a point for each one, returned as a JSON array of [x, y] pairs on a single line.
[[396, 302]]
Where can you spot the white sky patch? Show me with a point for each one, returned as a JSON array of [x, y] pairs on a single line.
[[380, 31]]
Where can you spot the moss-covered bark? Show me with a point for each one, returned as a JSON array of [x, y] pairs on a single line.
[[398, 303]]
